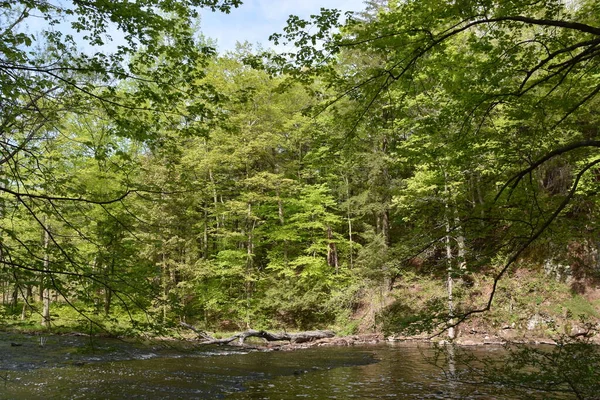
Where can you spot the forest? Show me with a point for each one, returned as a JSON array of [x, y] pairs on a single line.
[[418, 166]]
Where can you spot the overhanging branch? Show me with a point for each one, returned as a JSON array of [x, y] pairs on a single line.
[[514, 181], [511, 260]]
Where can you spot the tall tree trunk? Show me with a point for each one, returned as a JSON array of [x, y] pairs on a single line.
[[215, 195], [332, 258], [280, 207], [282, 222], [349, 217], [249, 262], [385, 177], [385, 226], [165, 284], [26, 301], [205, 236], [45, 287], [460, 244], [449, 279], [107, 289], [14, 298], [207, 245]]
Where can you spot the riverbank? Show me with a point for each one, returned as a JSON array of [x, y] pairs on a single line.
[[27, 343], [467, 340]]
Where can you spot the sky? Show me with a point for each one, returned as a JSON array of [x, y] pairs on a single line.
[[255, 20]]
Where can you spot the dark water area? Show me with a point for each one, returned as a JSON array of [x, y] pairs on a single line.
[[77, 368]]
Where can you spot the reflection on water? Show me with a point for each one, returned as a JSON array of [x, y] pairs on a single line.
[[402, 372], [384, 371]]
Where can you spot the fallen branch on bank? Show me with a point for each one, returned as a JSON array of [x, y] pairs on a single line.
[[300, 337]]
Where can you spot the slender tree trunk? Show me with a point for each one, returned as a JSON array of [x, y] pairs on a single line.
[[165, 284], [215, 196], [460, 244], [280, 208], [24, 309], [332, 258], [249, 262], [26, 300], [107, 289], [14, 298], [14, 301], [449, 280], [385, 176], [349, 216], [45, 287], [5, 290], [282, 222], [480, 199], [385, 227], [206, 219], [205, 236], [222, 214]]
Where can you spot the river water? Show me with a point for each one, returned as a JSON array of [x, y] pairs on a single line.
[[79, 368]]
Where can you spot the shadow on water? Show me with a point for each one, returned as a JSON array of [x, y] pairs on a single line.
[[65, 368]]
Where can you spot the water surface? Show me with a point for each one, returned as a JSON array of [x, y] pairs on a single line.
[[75, 368]]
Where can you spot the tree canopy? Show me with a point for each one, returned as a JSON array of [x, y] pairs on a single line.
[[501, 93], [387, 174]]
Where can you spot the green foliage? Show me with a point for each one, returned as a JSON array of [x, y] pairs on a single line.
[[579, 307], [418, 144], [76, 127], [569, 367]]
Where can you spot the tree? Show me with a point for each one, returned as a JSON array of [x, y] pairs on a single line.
[[46, 83], [514, 83]]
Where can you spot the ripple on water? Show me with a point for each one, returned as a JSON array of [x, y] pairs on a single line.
[[320, 373]]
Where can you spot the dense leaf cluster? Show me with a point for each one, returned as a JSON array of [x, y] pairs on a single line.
[[444, 139]]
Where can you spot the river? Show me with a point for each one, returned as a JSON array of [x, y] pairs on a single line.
[[63, 367]]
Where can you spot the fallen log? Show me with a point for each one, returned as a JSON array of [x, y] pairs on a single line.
[[300, 337]]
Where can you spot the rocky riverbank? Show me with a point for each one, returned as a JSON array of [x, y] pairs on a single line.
[[471, 338]]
